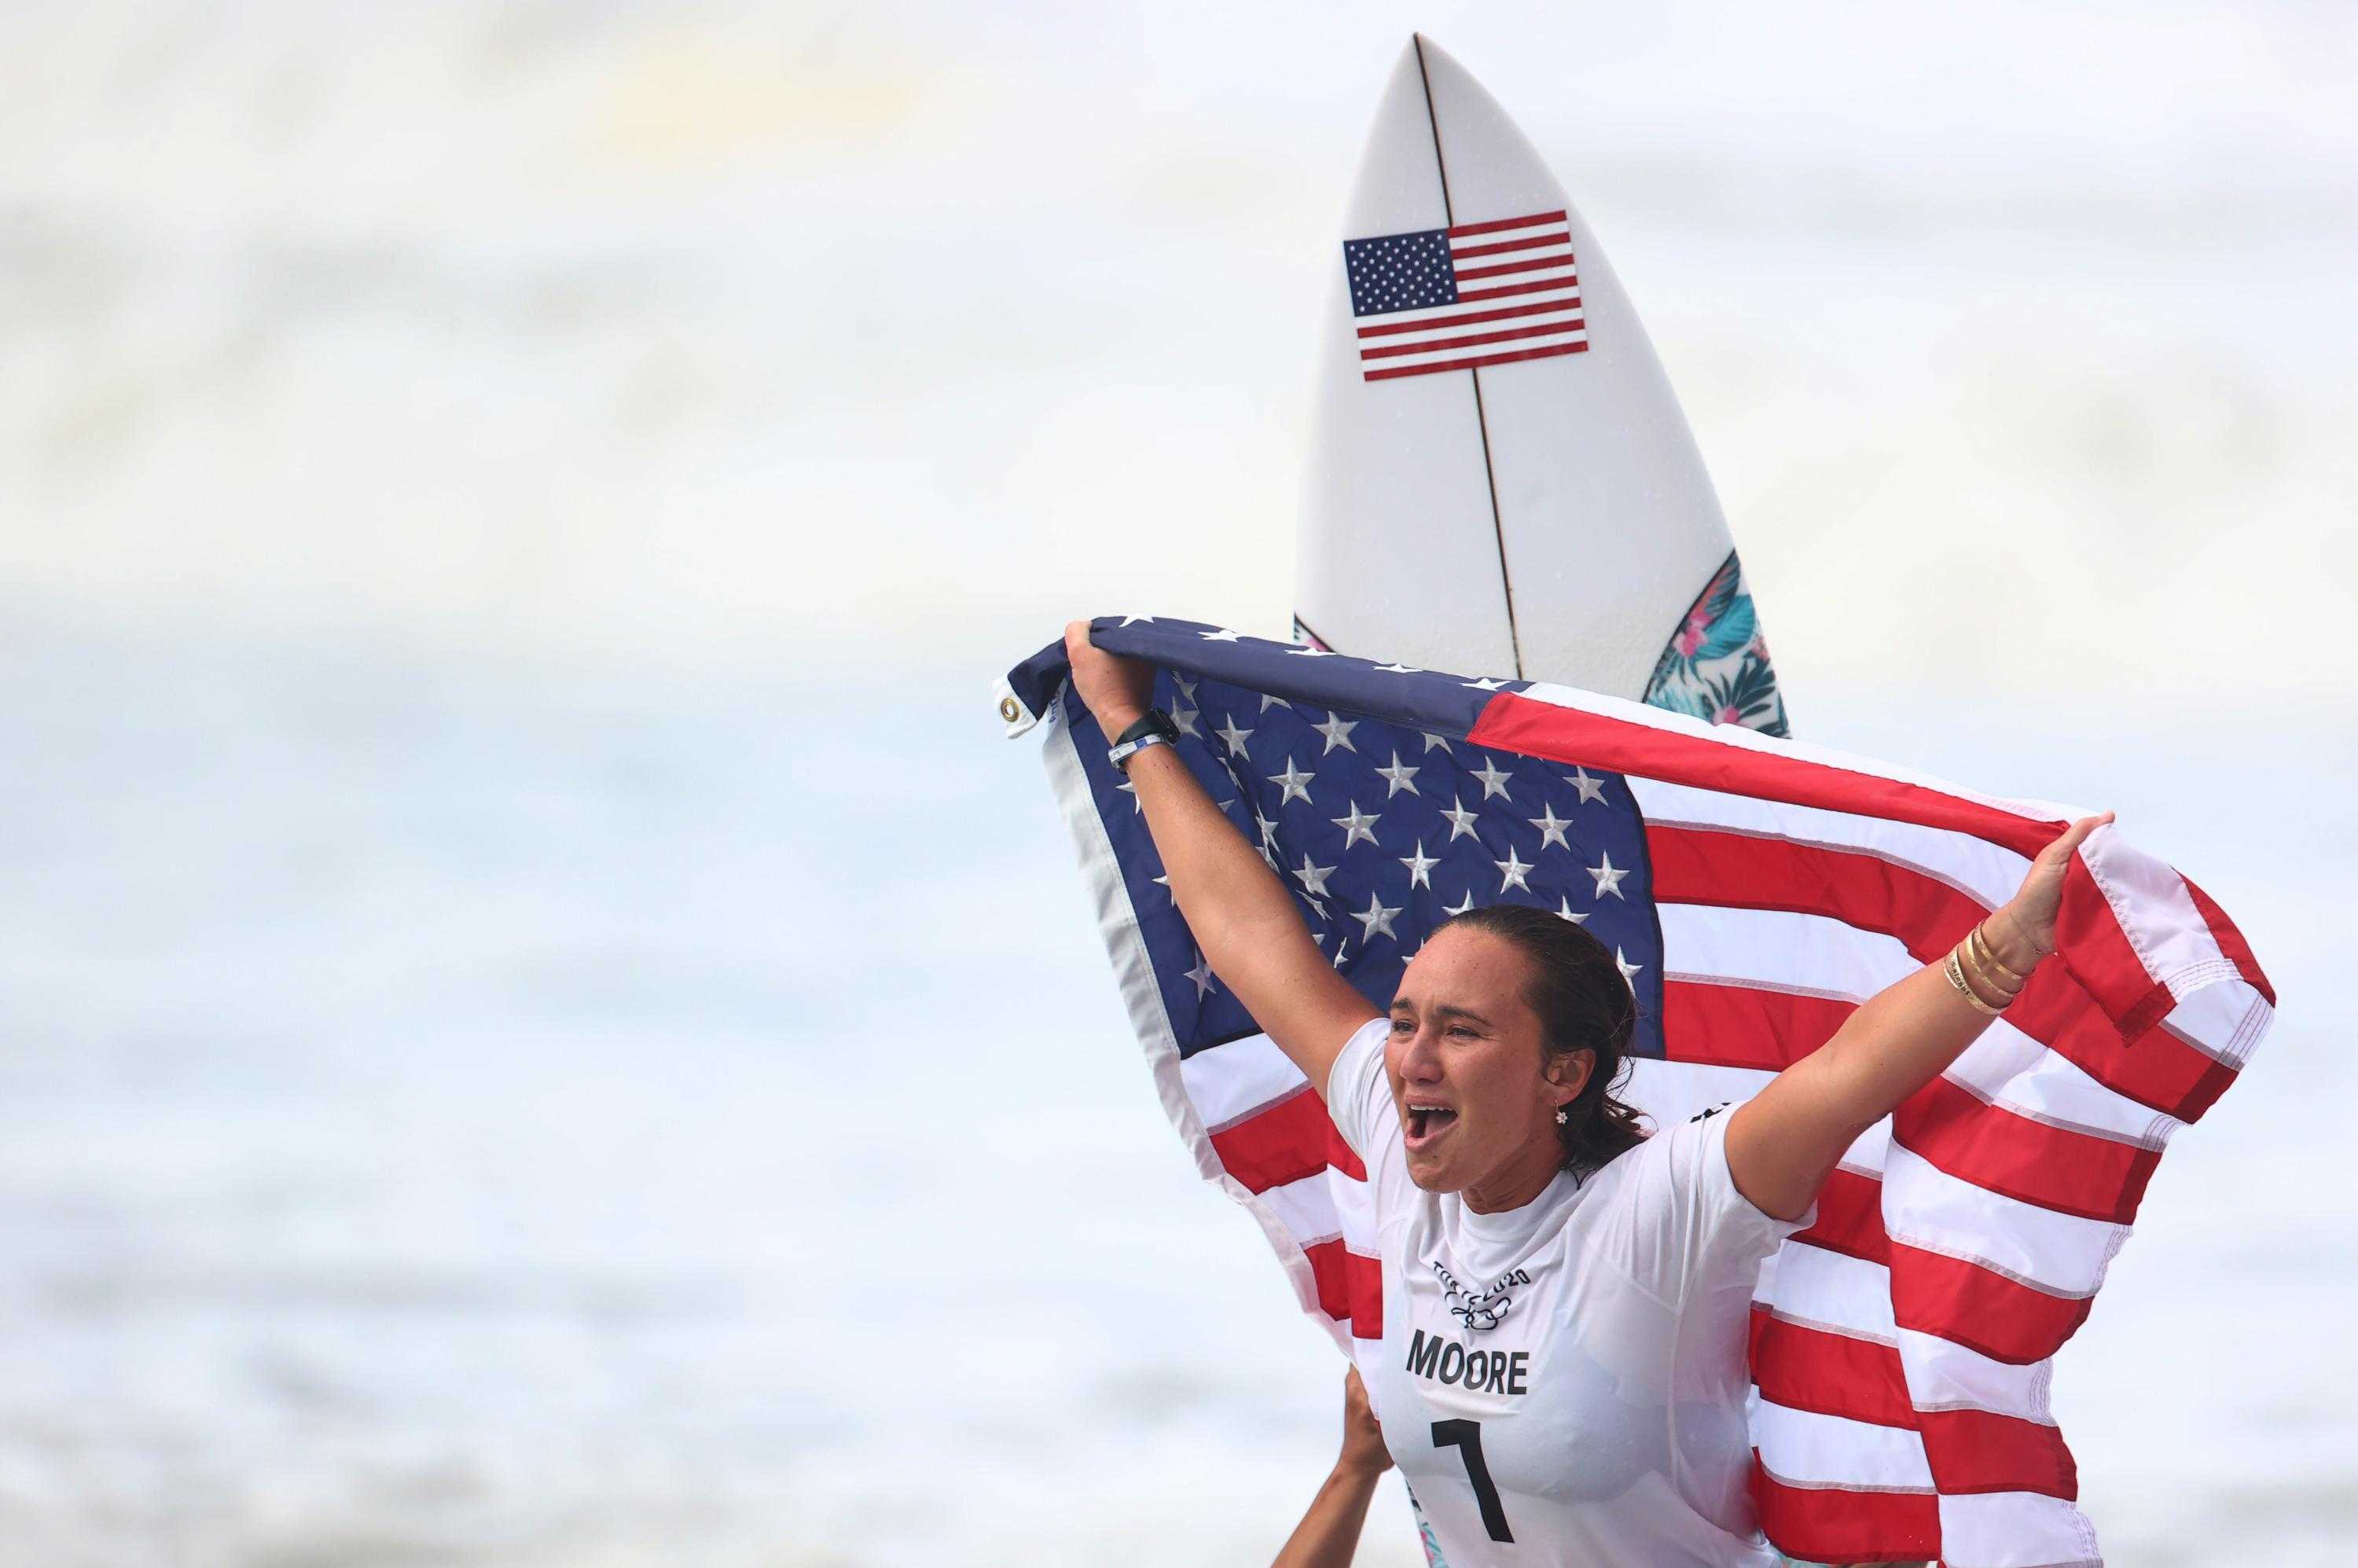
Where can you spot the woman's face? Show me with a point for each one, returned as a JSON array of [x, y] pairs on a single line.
[[1477, 1094]]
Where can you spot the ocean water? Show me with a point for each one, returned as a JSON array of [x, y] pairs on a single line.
[[466, 1114]]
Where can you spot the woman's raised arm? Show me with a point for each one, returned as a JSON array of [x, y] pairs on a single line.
[[1784, 1142], [1241, 914]]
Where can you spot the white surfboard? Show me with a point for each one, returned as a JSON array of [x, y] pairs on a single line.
[[1502, 481]]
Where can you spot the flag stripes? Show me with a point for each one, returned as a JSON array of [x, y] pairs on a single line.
[[1460, 298]]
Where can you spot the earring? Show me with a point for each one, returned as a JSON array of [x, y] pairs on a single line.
[[1562, 1116]]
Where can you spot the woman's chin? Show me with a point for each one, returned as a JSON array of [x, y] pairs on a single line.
[[1431, 1174]]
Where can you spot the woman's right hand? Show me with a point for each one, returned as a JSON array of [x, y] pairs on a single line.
[[1116, 691], [1363, 1437]]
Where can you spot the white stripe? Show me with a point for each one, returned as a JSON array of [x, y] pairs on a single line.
[[1944, 1374], [1671, 1092], [1803, 1448], [1833, 1290], [1567, 281], [1564, 305], [2006, 1067], [1501, 236], [2157, 916], [1233, 1080], [1306, 1208], [2059, 1253], [2016, 1529], [1773, 948], [1988, 873], [2224, 1021], [1561, 252], [1354, 1206], [1479, 350]]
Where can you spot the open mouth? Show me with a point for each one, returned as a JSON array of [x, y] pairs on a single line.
[[1427, 1123]]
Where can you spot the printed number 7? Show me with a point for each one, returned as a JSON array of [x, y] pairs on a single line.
[[1465, 1436]]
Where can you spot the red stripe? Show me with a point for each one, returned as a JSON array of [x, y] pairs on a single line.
[[1809, 1369], [1436, 344], [2231, 942], [1979, 1308], [1503, 313], [1829, 1526], [1850, 1219], [1558, 216], [1744, 1026], [1982, 1451], [1467, 296], [2092, 944], [1513, 722], [1555, 237], [1350, 1288], [1284, 1143], [1578, 348], [1999, 1150], [1535, 264], [2160, 1070]]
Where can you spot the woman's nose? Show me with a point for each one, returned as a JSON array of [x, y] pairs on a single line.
[[1422, 1061]]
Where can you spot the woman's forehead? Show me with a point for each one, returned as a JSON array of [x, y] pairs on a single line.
[[1463, 968]]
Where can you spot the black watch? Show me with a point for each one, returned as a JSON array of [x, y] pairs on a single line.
[[1153, 728]]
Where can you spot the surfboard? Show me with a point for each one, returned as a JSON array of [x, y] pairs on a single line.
[[1502, 480]]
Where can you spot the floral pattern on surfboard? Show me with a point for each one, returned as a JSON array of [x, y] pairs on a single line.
[[1716, 667]]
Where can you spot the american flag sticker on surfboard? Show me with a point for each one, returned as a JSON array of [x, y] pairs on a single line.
[[1461, 298]]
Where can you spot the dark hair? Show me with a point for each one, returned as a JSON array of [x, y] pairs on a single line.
[[1583, 1005]]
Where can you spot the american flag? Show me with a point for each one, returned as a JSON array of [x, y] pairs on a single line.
[[1457, 298], [1754, 891]]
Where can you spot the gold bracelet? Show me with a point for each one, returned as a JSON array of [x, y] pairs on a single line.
[[1957, 979], [1986, 956], [1970, 962]]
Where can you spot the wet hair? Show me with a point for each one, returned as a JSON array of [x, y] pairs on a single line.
[[1583, 1005]]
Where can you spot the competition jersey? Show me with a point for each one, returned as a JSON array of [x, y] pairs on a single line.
[[1564, 1383]]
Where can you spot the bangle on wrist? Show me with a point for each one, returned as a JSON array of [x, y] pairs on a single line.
[[1978, 948]]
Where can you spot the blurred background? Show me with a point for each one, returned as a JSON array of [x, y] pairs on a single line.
[[538, 1023]]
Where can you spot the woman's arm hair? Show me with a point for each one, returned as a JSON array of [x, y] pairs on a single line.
[[1241, 914], [1784, 1142], [1328, 1535]]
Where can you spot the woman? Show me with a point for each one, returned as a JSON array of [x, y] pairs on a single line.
[[1562, 1376]]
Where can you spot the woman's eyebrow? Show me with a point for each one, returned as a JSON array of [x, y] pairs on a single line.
[[1446, 1011]]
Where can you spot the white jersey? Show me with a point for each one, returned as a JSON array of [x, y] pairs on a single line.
[[1564, 1383]]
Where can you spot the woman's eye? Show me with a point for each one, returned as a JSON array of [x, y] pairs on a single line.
[[1462, 1031], [1400, 1026]]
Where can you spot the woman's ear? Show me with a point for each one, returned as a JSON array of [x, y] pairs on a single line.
[[1567, 1074]]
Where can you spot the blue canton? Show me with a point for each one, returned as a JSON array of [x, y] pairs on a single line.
[[1381, 827], [1400, 272]]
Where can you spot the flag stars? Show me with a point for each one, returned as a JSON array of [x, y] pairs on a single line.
[[1485, 684], [1183, 720], [1608, 876], [1398, 777], [1461, 821], [1590, 789], [1440, 742], [1358, 824], [1232, 737], [1313, 878], [1467, 904], [1420, 867], [1337, 730], [1294, 782], [1551, 827], [1268, 702], [1512, 871], [1564, 908], [1222, 635], [1376, 920], [1202, 974], [1629, 970], [1494, 778]]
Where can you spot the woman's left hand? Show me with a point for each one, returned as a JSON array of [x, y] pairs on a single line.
[[2030, 915]]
